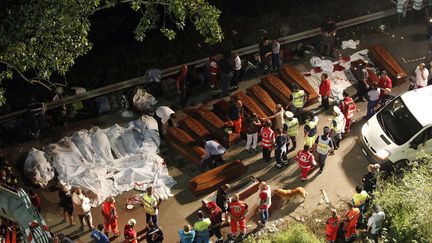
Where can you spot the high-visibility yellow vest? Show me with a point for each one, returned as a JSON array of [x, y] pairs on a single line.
[[310, 140], [360, 198], [323, 146], [293, 126], [202, 225], [148, 202], [339, 123], [298, 98]]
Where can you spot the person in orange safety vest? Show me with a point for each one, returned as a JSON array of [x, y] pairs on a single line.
[[348, 108], [305, 160], [237, 210], [350, 222], [109, 213], [267, 140], [332, 226]]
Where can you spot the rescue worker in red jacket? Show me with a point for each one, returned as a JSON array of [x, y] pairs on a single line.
[[332, 226], [305, 160], [324, 91], [110, 216], [267, 140], [348, 108], [237, 210]]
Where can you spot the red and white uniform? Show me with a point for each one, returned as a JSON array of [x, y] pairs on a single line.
[[305, 160], [267, 200], [213, 69], [109, 213], [267, 137], [237, 211], [348, 108], [332, 226]]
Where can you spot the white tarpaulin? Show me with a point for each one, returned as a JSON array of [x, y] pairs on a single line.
[[86, 160], [37, 168]]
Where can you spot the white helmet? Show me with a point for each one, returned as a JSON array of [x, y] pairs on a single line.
[[336, 109]]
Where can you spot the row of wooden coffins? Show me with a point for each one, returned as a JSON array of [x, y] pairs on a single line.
[[201, 124]]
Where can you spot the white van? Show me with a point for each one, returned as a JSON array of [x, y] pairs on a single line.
[[401, 129]]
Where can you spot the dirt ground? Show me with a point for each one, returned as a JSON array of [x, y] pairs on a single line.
[[342, 173]]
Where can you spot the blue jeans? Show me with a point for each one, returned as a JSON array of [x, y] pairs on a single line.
[[264, 214], [371, 108]]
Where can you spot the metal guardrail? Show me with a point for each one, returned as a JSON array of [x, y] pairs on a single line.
[[174, 70]]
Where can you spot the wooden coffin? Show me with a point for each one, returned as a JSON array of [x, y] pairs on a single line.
[[262, 98], [214, 178], [195, 129], [245, 188], [221, 109], [278, 90], [249, 105], [356, 71], [185, 145], [385, 60], [293, 75], [216, 126]]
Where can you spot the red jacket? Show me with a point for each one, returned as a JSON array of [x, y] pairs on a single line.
[[109, 211], [305, 159], [267, 137], [384, 83], [237, 209], [348, 107], [324, 88], [130, 233], [332, 225]]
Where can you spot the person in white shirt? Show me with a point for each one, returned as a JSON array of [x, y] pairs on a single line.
[[373, 94], [167, 116], [82, 207], [375, 222], [422, 74], [237, 68], [275, 55]]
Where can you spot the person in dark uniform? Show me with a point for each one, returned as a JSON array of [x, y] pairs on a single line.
[[66, 203], [328, 33]]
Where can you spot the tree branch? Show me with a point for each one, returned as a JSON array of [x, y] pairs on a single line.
[[145, 2], [17, 70]]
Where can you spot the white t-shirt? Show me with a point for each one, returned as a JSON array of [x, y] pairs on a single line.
[[374, 94], [237, 63], [419, 77], [376, 222]]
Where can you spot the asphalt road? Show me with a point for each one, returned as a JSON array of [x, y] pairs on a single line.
[[343, 170]]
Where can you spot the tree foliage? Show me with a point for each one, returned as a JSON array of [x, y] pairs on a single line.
[[296, 233], [407, 203], [39, 38]]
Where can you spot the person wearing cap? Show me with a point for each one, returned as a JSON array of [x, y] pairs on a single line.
[[291, 127], [385, 83], [421, 74], [130, 233], [280, 148], [66, 203], [202, 227], [323, 146], [110, 216], [332, 226], [237, 210], [350, 222], [98, 235], [298, 99], [278, 117], [376, 222], [264, 202], [216, 220], [151, 206], [305, 161], [252, 125], [213, 154], [324, 91], [267, 140], [187, 234], [337, 126], [310, 129]]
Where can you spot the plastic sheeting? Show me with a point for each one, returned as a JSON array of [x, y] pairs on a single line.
[[351, 44], [143, 101], [109, 161], [37, 168]]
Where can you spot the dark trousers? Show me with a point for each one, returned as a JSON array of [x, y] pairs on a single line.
[[213, 160], [325, 102], [294, 143], [236, 78], [321, 160], [264, 214], [224, 82], [152, 218], [266, 154], [371, 108], [216, 231], [328, 42], [184, 95], [361, 90], [336, 139]]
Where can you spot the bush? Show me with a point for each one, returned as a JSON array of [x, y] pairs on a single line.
[[407, 203], [296, 233]]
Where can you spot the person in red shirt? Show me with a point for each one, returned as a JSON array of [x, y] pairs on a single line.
[[384, 83], [109, 213], [216, 220], [237, 210], [348, 108], [332, 226], [214, 70], [324, 91], [181, 85], [267, 140], [305, 160], [350, 222], [130, 234]]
